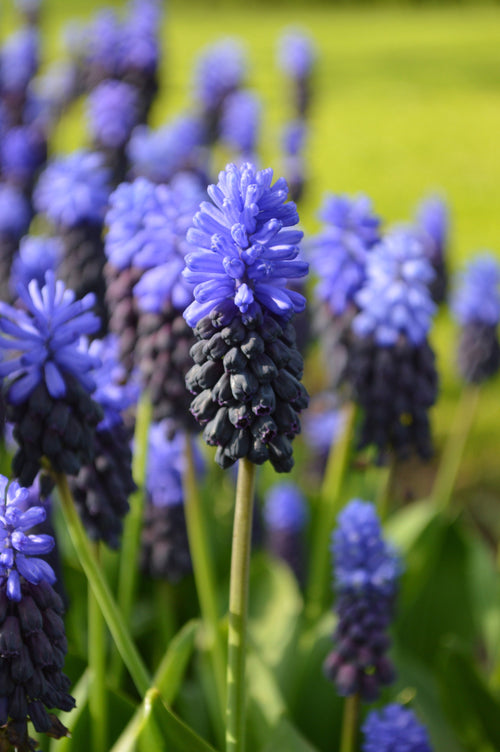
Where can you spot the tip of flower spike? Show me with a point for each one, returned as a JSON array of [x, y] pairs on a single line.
[[394, 728], [476, 299]]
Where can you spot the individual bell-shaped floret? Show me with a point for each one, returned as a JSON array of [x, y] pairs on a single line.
[[247, 370], [476, 307], [47, 379], [366, 570]]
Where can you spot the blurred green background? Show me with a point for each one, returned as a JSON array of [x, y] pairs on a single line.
[[407, 101]]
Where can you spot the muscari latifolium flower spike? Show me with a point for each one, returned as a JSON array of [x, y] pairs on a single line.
[[432, 224], [47, 377], [102, 487], [390, 365], [394, 729], [476, 307], [247, 370], [338, 255], [72, 192], [366, 571], [32, 638], [297, 57], [164, 542]]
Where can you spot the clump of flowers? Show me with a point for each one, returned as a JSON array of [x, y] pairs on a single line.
[[390, 362], [366, 572], [32, 638], [476, 306], [247, 370], [394, 729], [48, 380]]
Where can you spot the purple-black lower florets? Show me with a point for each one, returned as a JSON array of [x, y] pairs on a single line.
[[366, 571], [246, 379]]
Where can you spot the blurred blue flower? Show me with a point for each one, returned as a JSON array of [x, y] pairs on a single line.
[[15, 214], [219, 70], [36, 255], [73, 189], [339, 253], [166, 463], [240, 122], [244, 252], [19, 59], [285, 507], [127, 233], [476, 299], [432, 218], [19, 551], [395, 300], [322, 422], [158, 154], [45, 339], [103, 42], [22, 151], [293, 137], [296, 53], [394, 729], [140, 47], [112, 392], [112, 112]]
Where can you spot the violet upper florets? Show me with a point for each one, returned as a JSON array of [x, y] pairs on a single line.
[[245, 253], [19, 551]]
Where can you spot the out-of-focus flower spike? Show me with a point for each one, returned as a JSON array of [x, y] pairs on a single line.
[[285, 516], [394, 729]]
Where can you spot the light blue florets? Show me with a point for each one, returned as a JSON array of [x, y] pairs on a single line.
[[18, 551], [285, 508], [240, 121], [73, 189], [166, 464], [112, 112], [112, 393], [19, 59], [394, 729], [244, 252], [36, 255], [395, 300], [433, 221], [220, 69], [477, 295], [296, 53], [127, 233], [14, 211], [45, 339], [363, 562], [339, 253]]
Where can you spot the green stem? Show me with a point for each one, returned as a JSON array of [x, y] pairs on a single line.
[[350, 724], [238, 608], [328, 508], [98, 698], [204, 572], [100, 588], [454, 448], [128, 572]]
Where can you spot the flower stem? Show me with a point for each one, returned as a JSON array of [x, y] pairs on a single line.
[[238, 608], [127, 577], [203, 572], [98, 698], [349, 724], [111, 612], [329, 506], [454, 447]]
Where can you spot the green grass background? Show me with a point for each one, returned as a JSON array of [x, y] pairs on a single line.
[[407, 100]]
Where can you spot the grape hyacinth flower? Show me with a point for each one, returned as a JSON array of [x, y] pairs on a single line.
[[240, 123], [219, 72], [36, 256], [390, 363], [247, 370], [48, 378], [23, 150], [15, 217], [366, 572], [476, 306], [102, 487], [296, 57], [285, 516], [165, 546], [338, 255], [32, 638], [73, 192], [394, 729], [323, 425], [164, 339], [102, 48], [19, 58], [293, 140], [432, 224], [112, 114], [159, 154]]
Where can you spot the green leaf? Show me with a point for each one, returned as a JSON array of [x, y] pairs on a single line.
[[162, 724], [405, 525], [470, 704], [285, 737]]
